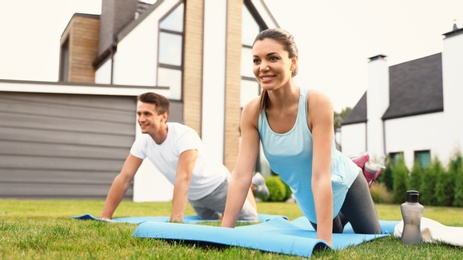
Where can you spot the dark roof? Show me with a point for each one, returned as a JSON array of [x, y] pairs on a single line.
[[142, 6], [415, 88], [454, 32], [359, 113]]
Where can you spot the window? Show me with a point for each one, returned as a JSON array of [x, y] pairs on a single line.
[[249, 29], [395, 157], [423, 158], [64, 61], [250, 89], [169, 49], [170, 58]]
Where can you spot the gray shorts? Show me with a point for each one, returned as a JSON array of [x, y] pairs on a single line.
[[212, 206]]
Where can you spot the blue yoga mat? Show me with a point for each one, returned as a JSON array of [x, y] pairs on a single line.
[[276, 235], [186, 219]]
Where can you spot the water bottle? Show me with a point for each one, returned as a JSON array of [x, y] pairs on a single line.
[[412, 211]]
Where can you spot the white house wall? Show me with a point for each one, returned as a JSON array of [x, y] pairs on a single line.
[[441, 133], [57, 88], [265, 14], [135, 63], [377, 103], [103, 74], [452, 65], [353, 139], [410, 134], [213, 106]]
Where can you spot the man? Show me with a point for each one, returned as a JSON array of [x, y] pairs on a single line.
[[177, 151]]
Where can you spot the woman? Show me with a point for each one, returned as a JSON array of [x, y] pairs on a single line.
[[295, 127]]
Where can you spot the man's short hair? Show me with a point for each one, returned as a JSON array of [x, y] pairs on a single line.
[[161, 103]]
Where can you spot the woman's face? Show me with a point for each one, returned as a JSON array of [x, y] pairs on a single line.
[[272, 65]]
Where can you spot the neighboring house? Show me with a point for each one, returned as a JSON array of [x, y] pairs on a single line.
[[412, 109], [71, 137]]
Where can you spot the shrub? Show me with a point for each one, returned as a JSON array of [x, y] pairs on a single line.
[[400, 181], [458, 198], [380, 194], [415, 176], [456, 170], [386, 176], [444, 190], [436, 185], [276, 188], [428, 185]]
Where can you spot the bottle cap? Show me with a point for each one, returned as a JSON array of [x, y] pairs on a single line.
[[412, 196]]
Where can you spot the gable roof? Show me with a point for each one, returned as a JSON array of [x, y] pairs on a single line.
[[415, 88], [359, 113]]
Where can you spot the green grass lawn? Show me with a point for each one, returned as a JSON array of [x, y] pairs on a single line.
[[43, 229]]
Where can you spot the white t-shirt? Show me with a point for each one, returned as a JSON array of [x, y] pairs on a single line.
[[207, 174]]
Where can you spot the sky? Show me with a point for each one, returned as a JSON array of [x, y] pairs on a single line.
[[335, 38]]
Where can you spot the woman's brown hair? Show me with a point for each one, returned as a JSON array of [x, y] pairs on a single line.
[[289, 45]]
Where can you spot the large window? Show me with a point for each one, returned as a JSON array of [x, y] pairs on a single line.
[[170, 57], [250, 28], [249, 86], [423, 158]]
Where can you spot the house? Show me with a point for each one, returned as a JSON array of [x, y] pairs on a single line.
[[71, 137], [412, 109]]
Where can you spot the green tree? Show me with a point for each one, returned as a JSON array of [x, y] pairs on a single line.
[[428, 185], [386, 176], [339, 117], [416, 176], [456, 169], [445, 188], [400, 179]]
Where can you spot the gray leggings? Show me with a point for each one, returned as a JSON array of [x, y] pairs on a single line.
[[358, 209]]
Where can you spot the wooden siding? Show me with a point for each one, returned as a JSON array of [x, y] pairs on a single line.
[[193, 57], [233, 81], [63, 146], [83, 35]]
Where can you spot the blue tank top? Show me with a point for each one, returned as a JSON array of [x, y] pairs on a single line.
[[290, 156]]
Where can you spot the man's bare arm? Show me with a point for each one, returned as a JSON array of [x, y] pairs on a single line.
[[120, 185], [186, 163]]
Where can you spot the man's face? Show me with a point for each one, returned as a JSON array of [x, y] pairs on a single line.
[[148, 119]]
